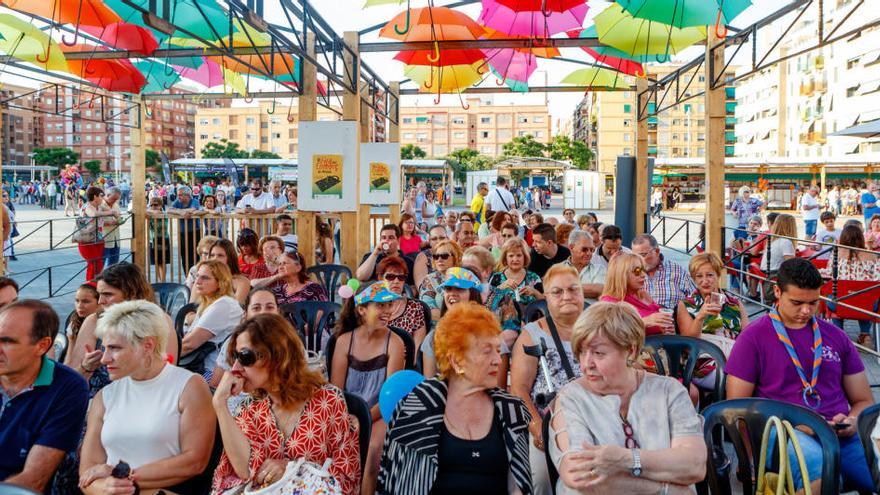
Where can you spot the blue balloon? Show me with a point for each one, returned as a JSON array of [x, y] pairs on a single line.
[[395, 388]]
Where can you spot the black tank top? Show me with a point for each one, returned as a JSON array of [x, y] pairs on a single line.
[[477, 467]]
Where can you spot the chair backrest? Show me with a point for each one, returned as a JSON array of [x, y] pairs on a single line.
[[869, 299], [743, 421], [171, 297], [10, 489], [358, 408], [552, 473], [331, 277], [534, 311], [409, 346], [311, 319], [681, 354], [867, 421], [180, 317], [200, 484]]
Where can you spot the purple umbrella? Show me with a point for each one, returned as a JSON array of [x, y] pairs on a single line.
[[209, 74], [531, 23]]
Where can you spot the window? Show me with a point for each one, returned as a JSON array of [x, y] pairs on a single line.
[[248, 136], [438, 150], [485, 120], [486, 150], [627, 137], [458, 120], [538, 119], [203, 136], [504, 118], [274, 120], [627, 122], [458, 135], [505, 135], [250, 121], [485, 134], [264, 125], [627, 108], [539, 134], [407, 135], [217, 135], [421, 137], [522, 119], [264, 140], [407, 120], [215, 121], [627, 151]]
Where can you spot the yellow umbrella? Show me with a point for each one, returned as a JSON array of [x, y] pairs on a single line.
[[373, 3], [637, 37], [232, 81], [241, 31], [445, 79], [597, 77], [27, 42]]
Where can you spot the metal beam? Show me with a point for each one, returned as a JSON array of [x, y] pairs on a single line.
[[377, 27], [532, 89], [398, 46]]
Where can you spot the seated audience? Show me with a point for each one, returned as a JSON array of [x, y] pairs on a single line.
[[465, 235], [388, 245], [592, 276], [410, 242], [499, 301], [666, 281], [494, 237], [422, 262], [460, 286], [563, 230], [709, 310], [446, 254], [224, 252], [85, 303], [780, 248], [203, 250], [545, 251], [511, 273], [626, 283], [407, 314], [294, 284], [247, 243], [265, 273]]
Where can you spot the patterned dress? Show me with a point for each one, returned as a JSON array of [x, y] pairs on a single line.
[[530, 280], [248, 268], [412, 318], [312, 291], [726, 324], [501, 302], [324, 431]]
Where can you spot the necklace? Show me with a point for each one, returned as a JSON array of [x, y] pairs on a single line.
[[291, 420]]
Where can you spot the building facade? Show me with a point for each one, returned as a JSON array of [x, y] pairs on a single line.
[[22, 128], [482, 126]]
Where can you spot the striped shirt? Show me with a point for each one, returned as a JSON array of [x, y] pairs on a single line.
[[669, 284]]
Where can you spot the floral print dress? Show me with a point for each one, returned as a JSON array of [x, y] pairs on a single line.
[[531, 279], [728, 323]]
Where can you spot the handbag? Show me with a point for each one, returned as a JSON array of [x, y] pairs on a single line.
[[301, 477], [781, 483], [86, 229]]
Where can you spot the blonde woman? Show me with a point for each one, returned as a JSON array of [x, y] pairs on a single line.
[[511, 272], [780, 248], [445, 255], [625, 282], [203, 250], [218, 314]]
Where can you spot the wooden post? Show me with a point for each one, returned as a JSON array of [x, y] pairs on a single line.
[[11, 197], [822, 178], [642, 193], [715, 114], [393, 133], [138, 180], [351, 111], [307, 104], [363, 214]]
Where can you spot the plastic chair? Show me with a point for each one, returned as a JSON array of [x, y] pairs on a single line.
[[409, 346], [358, 408], [331, 277], [10, 489], [859, 293], [180, 318], [867, 420], [200, 484], [171, 297], [742, 422], [681, 358], [311, 319], [552, 473]]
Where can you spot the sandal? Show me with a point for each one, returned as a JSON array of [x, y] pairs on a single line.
[[866, 340]]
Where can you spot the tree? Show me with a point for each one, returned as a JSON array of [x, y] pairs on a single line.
[[411, 152], [466, 160], [151, 159], [94, 168], [264, 154], [223, 149], [524, 146], [56, 157], [564, 148]]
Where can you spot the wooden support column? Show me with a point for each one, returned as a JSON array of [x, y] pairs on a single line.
[[138, 180], [643, 194], [351, 110], [11, 197], [715, 114], [393, 133], [822, 178], [307, 104], [363, 214]]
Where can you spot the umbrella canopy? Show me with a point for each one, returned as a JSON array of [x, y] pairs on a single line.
[[126, 36], [110, 74], [447, 57], [232, 81], [158, 80], [432, 24], [373, 3], [686, 13], [542, 5], [532, 23], [608, 56], [449, 79], [596, 77], [866, 130], [185, 14], [79, 12], [243, 36], [27, 42], [209, 74], [283, 63], [619, 29]]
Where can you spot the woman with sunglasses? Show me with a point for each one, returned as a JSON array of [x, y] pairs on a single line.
[[292, 413], [406, 314], [625, 282], [445, 255], [619, 429], [154, 416], [294, 284], [248, 246], [367, 352], [512, 272]]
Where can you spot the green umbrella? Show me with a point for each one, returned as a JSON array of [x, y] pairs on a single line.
[[597, 77], [686, 13], [184, 14], [619, 29], [608, 51], [158, 81]]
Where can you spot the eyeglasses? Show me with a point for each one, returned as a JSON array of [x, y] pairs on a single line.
[[437, 238], [205, 254], [256, 189], [638, 271], [245, 357], [394, 276], [559, 291], [441, 256], [630, 441]]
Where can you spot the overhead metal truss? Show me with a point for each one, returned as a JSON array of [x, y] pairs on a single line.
[[103, 108]]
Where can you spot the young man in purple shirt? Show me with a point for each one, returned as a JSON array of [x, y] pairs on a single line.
[[761, 365]]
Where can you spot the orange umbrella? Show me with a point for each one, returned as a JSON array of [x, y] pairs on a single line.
[[110, 74], [284, 63], [538, 51], [78, 12], [432, 24]]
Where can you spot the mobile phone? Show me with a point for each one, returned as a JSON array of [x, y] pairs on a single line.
[[840, 426]]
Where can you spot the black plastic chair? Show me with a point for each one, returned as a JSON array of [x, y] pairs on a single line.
[[742, 422], [171, 297], [681, 357], [552, 473], [180, 318], [10, 489], [409, 346], [331, 277], [311, 319], [200, 484], [358, 408], [867, 420]]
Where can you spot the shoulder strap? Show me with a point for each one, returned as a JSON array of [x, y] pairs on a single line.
[[501, 197], [563, 356]]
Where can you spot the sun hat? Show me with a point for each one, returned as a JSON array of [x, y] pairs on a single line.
[[376, 292], [461, 278]]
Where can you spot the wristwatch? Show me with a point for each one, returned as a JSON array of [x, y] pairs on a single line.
[[636, 469]]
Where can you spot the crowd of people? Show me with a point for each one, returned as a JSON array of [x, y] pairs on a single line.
[[519, 324]]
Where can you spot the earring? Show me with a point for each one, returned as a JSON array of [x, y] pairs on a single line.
[[630, 362], [459, 371]]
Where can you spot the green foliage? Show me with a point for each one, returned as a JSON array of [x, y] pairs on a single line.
[[94, 168], [223, 149], [467, 160], [564, 148], [152, 159], [264, 154], [524, 146], [411, 152], [56, 157]]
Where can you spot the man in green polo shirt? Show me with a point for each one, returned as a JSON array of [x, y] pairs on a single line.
[[42, 403]]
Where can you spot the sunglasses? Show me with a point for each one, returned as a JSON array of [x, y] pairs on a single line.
[[638, 271], [630, 442], [394, 276], [441, 256], [245, 357]]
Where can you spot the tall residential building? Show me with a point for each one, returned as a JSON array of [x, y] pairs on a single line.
[[22, 129], [790, 109], [482, 126], [254, 128], [606, 122]]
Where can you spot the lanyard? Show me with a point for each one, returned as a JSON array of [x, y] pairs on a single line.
[[811, 395]]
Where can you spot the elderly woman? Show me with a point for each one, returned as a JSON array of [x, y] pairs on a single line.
[[367, 353], [709, 310], [458, 433], [224, 251], [499, 301], [512, 272], [625, 282], [266, 273], [247, 243], [446, 254], [406, 314], [292, 412], [618, 429], [90, 231], [155, 417], [743, 208], [294, 283], [565, 302]]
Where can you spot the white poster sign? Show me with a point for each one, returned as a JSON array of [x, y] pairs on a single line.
[[380, 173], [327, 170]]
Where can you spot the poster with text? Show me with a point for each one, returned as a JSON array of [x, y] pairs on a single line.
[[327, 171], [327, 176], [380, 177], [380, 173]]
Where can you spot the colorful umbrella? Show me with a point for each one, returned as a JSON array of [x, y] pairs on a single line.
[[373, 3], [111, 74], [619, 29], [432, 24], [612, 57], [209, 74], [284, 63], [541, 5], [514, 66], [185, 14], [596, 77], [447, 57], [244, 35], [448, 79], [157, 79], [78, 12], [126, 36], [232, 81], [531, 23], [686, 13], [27, 42]]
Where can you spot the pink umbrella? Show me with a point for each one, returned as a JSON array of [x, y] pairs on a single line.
[[511, 64], [501, 18], [209, 74]]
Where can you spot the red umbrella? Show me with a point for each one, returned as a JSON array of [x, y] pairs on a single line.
[[110, 74], [447, 57], [542, 5], [125, 36]]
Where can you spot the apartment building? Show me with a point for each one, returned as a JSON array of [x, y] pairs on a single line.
[[480, 125], [22, 128]]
